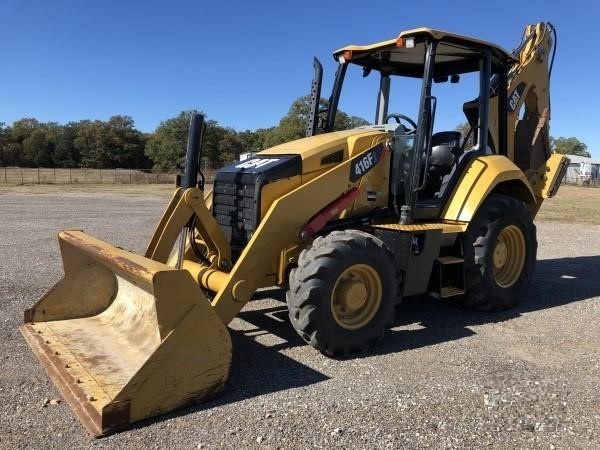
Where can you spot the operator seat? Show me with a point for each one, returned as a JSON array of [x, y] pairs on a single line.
[[445, 151]]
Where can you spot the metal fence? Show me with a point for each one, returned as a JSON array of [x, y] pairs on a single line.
[[14, 176], [21, 175], [582, 181]]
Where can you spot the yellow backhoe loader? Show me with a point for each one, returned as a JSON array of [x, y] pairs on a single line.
[[350, 222]]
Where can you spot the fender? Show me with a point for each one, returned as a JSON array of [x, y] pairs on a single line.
[[482, 176]]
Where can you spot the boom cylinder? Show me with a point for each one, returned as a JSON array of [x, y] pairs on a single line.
[[211, 279]]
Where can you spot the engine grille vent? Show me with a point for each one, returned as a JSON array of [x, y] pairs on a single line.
[[235, 210]]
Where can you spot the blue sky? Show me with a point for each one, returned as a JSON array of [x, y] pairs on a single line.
[[243, 63]]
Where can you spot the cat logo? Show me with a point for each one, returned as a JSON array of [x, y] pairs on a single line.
[[256, 163], [515, 97], [362, 164]]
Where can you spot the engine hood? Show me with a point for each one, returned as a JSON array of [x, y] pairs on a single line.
[[324, 150]]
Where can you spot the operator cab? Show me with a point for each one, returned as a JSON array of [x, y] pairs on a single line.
[[426, 71]]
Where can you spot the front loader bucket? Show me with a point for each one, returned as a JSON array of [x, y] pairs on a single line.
[[124, 337]]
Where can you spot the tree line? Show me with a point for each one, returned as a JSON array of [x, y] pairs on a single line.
[[116, 143]]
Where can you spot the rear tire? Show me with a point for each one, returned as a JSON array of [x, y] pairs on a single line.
[[499, 249], [342, 294]]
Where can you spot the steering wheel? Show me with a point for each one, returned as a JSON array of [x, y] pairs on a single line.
[[398, 117]]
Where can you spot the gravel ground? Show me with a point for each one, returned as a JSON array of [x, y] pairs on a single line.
[[442, 378]]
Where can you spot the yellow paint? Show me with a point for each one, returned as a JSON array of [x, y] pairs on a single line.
[[279, 229], [446, 228], [417, 32], [548, 176], [272, 191], [481, 176], [121, 332], [313, 149], [184, 206], [508, 256], [356, 296], [288, 256], [376, 181], [125, 337]]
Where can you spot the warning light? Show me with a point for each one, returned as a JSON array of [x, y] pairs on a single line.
[[405, 42], [346, 56]]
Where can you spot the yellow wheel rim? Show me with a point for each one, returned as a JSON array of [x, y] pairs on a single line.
[[356, 296], [509, 256]]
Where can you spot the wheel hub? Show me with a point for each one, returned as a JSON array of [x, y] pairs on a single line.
[[508, 257], [353, 294], [356, 296], [500, 254]]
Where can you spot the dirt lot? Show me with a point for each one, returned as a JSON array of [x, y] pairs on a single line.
[[442, 378]]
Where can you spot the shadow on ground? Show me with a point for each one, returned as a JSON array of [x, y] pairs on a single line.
[[258, 370], [556, 282]]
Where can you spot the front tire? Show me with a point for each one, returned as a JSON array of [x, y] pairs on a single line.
[[499, 249], [342, 294]]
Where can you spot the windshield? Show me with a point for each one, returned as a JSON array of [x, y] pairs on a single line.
[[359, 96]]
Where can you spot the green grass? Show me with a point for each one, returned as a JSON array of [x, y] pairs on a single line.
[[573, 204]]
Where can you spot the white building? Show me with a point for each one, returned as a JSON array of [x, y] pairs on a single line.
[[582, 170]]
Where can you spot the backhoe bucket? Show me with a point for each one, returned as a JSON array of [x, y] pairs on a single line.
[[124, 337]]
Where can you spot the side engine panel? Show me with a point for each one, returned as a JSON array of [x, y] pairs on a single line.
[[244, 191]]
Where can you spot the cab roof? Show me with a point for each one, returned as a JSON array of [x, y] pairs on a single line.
[[455, 53]]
